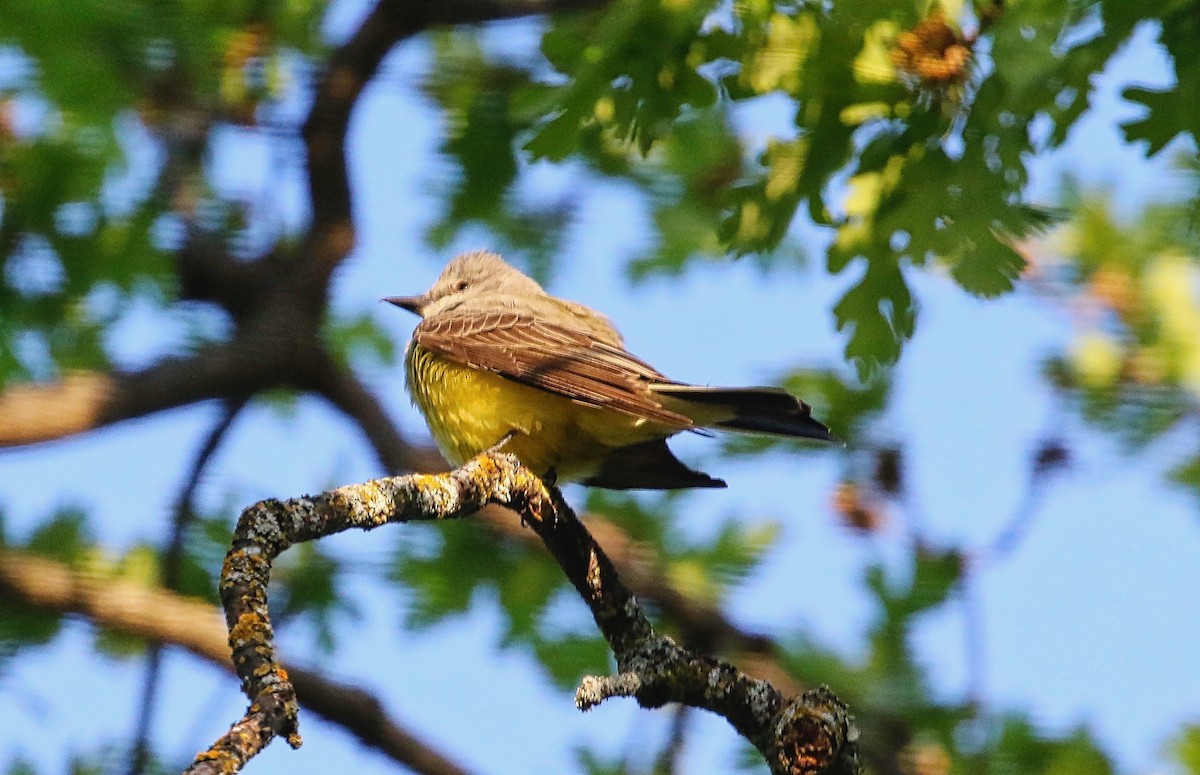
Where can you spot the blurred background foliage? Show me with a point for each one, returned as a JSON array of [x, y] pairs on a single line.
[[906, 134]]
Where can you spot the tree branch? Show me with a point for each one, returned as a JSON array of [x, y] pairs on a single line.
[[811, 734], [89, 400], [350, 69], [194, 625], [40, 412], [86, 401], [184, 514], [271, 353], [667, 761], [705, 625], [342, 388]]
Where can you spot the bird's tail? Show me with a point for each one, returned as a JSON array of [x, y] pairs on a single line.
[[752, 409]]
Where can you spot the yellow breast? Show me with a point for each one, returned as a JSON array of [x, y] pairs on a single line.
[[470, 410]]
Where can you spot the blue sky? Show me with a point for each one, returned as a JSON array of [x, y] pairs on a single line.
[[1084, 623]]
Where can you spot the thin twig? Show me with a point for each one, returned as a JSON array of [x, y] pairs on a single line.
[[342, 388], [183, 515], [1050, 457], [668, 758]]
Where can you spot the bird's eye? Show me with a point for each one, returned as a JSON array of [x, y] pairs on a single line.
[[462, 285]]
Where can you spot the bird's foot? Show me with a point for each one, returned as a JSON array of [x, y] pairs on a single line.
[[498, 447], [540, 507]]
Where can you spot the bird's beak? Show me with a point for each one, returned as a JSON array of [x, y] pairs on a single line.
[[413, 304]]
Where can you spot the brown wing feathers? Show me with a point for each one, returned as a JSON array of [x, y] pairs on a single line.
[[550, 357]]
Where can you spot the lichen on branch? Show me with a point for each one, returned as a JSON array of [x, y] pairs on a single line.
[[810, 734]]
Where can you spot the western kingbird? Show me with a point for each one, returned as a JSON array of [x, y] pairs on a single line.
[[496, 358]]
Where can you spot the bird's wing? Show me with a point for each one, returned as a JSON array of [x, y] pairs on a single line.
[[549, 356]]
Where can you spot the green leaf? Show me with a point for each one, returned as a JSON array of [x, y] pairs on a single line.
[[569, 657], [631, 68], [555, 139], [444, 576], [66, 536], [879, 314], [759, 213], [737, 549], [524, 594], [933, 576], [488, 104], [20, 766], [24, 626], [990, 271], [593, 763], [643, 518], [1168, 113], [119, 645], [307, 582], [360, 339], [284, 402], [1022, 747], [1185, 748], [1187, 474]]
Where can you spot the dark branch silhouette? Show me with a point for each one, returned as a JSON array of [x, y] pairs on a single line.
[[172, 562]]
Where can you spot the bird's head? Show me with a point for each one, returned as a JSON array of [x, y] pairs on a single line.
[[479, 275]]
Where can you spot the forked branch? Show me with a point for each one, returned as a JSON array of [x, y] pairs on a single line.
[[811, 734]]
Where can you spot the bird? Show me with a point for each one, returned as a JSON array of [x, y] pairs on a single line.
[[496, 362]]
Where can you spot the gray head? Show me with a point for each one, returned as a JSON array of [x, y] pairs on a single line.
[[480, 275]]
